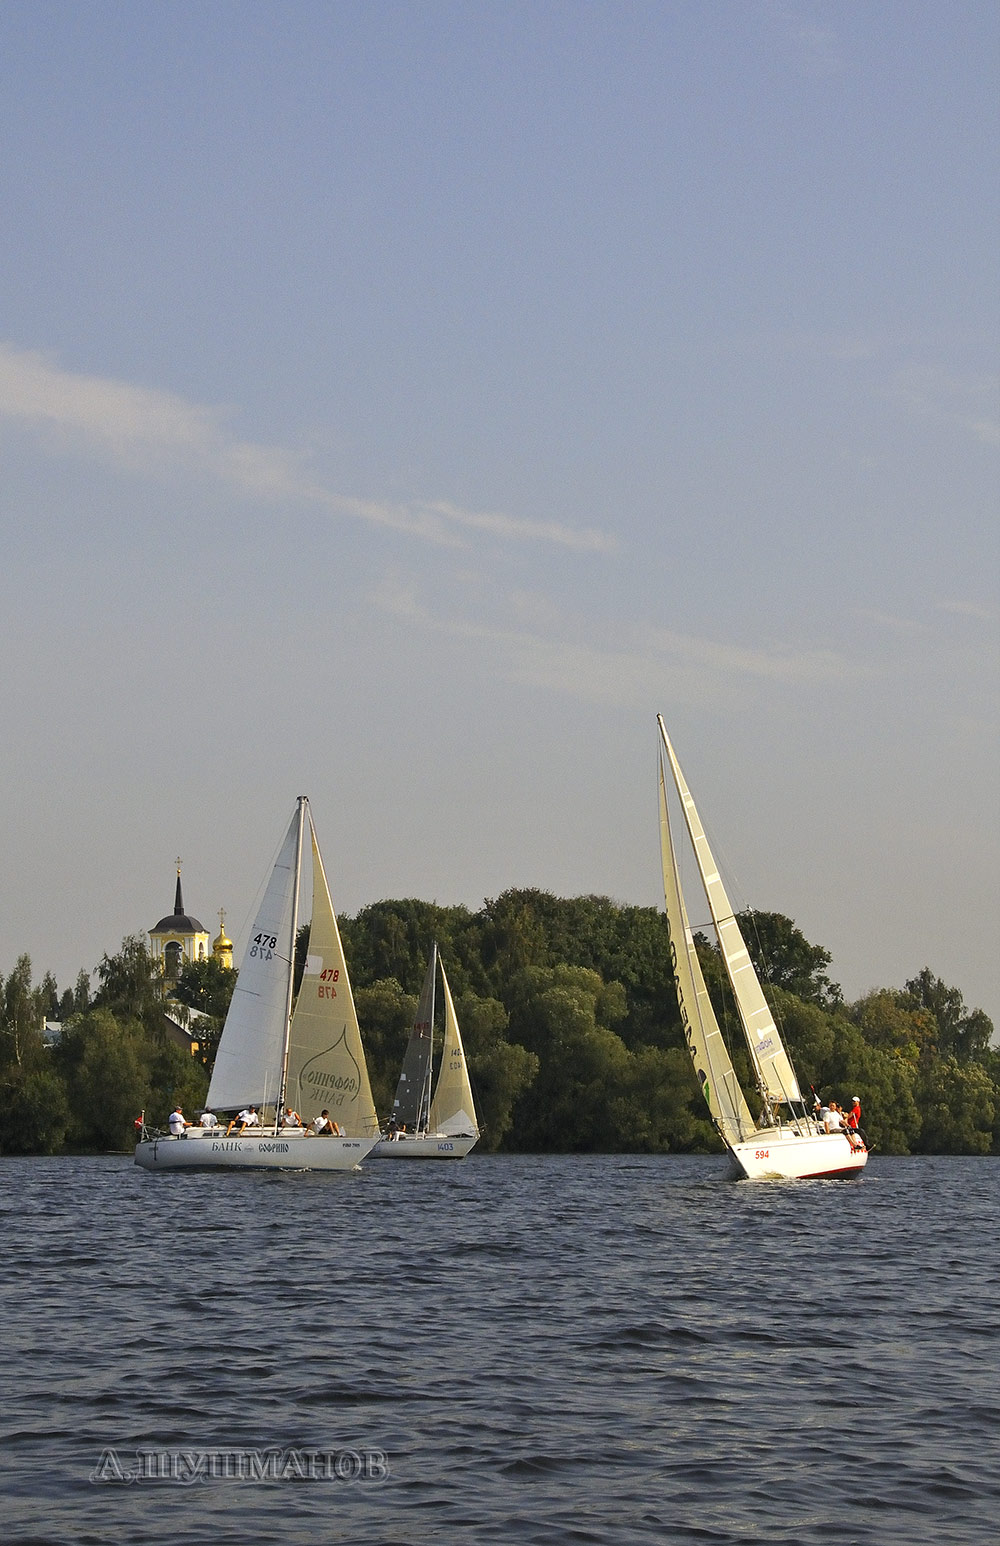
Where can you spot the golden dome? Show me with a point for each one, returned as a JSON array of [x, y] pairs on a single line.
[[222, 946]]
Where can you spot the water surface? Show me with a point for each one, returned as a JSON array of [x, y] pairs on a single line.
[[600, 1349]]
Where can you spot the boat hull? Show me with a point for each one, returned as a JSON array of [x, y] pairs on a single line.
[[782, 1154], [201, 1150], [426, 1146]]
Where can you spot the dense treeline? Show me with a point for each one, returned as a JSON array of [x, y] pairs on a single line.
[[570, 1022]]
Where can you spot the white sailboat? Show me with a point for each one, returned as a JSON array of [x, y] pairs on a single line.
[[786, 1142], [441, 1125], [270, 1052]]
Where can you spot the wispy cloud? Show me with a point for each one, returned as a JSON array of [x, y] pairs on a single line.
[[912, 627], [968, 403], [891, 623], [971, 609], [650, 661], [135, 426], [814, 48]]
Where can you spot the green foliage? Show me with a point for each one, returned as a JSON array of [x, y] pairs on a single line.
[[570, 1023], [33, 1106], [500, 1070], [113, 1070], [958, 1107], [784, 958], [130, 982], [960, 1033], [386, 1015], [207, 987], [105, 1063], [34, 1112]]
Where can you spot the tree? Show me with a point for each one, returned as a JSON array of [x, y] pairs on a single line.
[[589, 1089], [385, 1014], [107, 1071], [34, 1112], [961, 1033], [206, 987], [33, 1108], [958, 1107], [130, 982], [784, 958], [499, 1070], [892, 1022]]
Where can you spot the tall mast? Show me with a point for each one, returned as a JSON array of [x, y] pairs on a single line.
[[424, 1109], [289, 993]]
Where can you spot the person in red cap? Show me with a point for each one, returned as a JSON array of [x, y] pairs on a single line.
[[853, 1118]]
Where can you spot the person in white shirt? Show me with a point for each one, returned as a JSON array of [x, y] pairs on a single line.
[[834, 1121], [291, 1118], [246, 1118], [325, 1127], [177, 1123], [209, 1119]]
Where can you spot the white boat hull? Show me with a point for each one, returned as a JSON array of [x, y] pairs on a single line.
[[780, 1153], [200, 1149], [426, 1146]]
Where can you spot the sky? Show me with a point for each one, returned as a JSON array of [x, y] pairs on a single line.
[[402, 404]]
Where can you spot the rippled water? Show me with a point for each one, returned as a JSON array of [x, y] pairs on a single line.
[[561, 1350]]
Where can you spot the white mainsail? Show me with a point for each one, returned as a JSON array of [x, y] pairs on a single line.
[[774, 1070], [248, 1062], [453, 1109], [709, 1052], [326, 1060]]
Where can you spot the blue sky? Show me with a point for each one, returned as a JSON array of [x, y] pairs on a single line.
[[403, 403]]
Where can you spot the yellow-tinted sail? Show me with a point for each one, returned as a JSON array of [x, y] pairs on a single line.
[[452, 1110], [775, 1072], [326, 1060], [708, 1050]]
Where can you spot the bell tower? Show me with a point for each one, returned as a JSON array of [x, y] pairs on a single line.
[[177, 938]]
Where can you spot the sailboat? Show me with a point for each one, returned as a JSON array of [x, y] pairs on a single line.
[[442, 1124], [277, 1048], [785, 1142]]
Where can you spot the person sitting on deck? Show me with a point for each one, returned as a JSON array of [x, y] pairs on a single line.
[[177, 1123], [836, 1123], [247, 1118], [325, 1127], [291, 1118], [854, 1119], [209, 1119], [834, 1119]]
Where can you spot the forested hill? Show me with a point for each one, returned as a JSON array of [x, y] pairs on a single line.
[[570, 1022]]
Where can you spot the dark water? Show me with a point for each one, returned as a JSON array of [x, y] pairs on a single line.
[[555, 1350]]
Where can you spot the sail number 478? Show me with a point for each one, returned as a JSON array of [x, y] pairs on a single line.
[[263, 945], [328, 976]]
